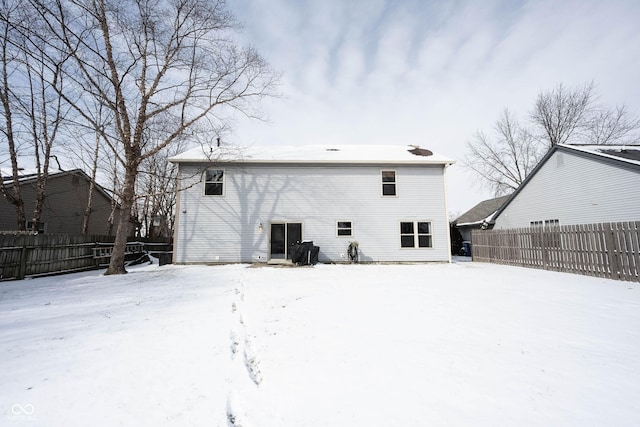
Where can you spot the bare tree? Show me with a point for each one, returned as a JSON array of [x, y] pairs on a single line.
[[612, 126], [159, 67], [43, 109], [559, 116], [561, 113], [504, 159], [33, 111], [9, 67], [157, 193], [92, 184]]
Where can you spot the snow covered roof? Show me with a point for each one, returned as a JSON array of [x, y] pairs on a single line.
[[7, 174], [625, 153], [27, 175], [340, 154]]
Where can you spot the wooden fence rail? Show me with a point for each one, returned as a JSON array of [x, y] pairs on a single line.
[[610, 250], [43, 254]]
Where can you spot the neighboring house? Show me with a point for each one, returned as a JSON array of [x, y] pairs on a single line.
[[252, 205], [577, 184], [478, 217], [64, 205]]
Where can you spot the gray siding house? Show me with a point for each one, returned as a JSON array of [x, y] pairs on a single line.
[[250, 205], [577, 184], [64, 205]]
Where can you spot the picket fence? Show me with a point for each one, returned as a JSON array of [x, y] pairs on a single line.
[[610, 250], [26, 255]]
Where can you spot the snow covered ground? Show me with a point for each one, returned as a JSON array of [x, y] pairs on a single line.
[[464, 344]]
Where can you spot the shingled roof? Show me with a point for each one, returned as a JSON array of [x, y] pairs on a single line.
[[481, 212]]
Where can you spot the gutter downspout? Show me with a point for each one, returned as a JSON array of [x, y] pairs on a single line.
[[446, 209], [176, 221]]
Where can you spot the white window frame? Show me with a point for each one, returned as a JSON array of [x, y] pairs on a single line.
[[350, 228], [383, 183], [416, 234], [204, 191]]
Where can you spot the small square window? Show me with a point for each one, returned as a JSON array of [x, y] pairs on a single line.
[[214, 182], [406, 228], [388, 183], [344, 228]]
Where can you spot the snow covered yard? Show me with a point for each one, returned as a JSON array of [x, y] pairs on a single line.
[[351, 345]]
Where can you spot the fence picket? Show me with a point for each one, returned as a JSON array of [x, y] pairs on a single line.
[[610, 250], [635, 242], [32, 255]]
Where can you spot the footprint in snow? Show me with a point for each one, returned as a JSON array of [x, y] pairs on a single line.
[[251, 362]]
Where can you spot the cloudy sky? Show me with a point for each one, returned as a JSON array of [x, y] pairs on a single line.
[[431, 73]]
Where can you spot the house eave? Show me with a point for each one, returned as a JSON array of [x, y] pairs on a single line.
[[311, 162], [312, 155]]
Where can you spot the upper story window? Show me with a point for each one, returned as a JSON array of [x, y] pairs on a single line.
[[389, 183], [344, 228], [214, 182], [415, 234]]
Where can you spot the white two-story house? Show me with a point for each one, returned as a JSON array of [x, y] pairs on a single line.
[[250, 205]]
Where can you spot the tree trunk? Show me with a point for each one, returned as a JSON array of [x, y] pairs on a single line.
[[94, 170], [14, 197], [116, 266]]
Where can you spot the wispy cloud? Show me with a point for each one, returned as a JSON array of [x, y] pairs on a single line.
[[431, 72]]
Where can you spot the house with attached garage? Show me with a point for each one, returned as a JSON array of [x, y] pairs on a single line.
[[577, 184], [253, 204]]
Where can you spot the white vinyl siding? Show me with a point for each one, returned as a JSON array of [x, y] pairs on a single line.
[[575, 190], [213, 229]]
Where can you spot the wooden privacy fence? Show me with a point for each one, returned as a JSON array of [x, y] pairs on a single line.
[[610, 250], [43, 254]]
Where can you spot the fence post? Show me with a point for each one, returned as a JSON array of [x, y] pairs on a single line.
[[22, 268], [543, 247], [612, 252]]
